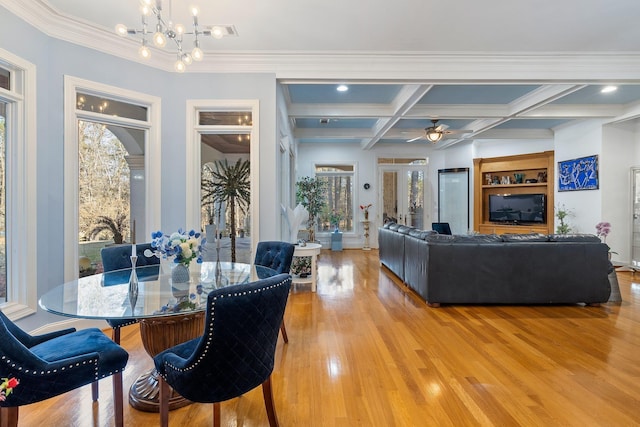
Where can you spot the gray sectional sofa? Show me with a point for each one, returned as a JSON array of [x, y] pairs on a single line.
[[492, 269]]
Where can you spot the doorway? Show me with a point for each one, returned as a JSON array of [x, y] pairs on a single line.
[[403, 191]]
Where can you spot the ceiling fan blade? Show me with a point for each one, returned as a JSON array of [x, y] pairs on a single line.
[[458, 131], [415, 139]]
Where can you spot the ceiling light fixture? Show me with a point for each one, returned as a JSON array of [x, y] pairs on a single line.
[[433, 134], [609, 89], [342, 88], [163, 32]]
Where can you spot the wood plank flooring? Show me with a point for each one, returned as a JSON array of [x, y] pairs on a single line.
[[365, 351]]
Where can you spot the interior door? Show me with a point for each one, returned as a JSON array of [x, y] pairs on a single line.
[[403, 195]]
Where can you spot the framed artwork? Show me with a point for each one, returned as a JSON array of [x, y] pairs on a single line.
[[578, 174]]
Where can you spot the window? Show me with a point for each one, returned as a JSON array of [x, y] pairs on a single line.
[[121, 127], [18, 255], [338, 197]]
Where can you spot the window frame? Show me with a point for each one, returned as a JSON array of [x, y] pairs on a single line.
[[21, 191], [193, 157], [152, 157]]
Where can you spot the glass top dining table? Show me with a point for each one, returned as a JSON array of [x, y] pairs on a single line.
[[107, 296], [168, 313]]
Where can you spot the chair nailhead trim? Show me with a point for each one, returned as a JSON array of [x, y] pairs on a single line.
[[210, 337], [54, 371]]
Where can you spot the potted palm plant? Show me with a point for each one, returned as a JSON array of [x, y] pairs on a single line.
[[229, 184]]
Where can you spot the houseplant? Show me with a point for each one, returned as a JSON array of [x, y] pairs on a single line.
[[562, 213], [182, 247], [230, 185], [309, 193]]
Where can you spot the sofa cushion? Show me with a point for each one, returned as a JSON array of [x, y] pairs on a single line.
[[420, 234], [405, 229], [574, 238], [464, 238], [531, 237], [394, 226], [387, 224]]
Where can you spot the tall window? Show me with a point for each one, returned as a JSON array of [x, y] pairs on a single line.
[[338, 196], [18, 191], [112, 152]]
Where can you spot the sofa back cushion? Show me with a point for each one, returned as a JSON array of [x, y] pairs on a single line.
[[531, 237], [582, 238]]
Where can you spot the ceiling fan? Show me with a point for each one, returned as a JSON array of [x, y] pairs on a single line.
[[435, 133]]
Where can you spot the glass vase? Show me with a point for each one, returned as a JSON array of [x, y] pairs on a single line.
[[180, 274]]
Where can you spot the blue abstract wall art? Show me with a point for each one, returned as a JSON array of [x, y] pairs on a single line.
[[578, 174]]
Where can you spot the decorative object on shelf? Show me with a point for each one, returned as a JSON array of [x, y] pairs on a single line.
[[603, 229], [562, 213], [578, 174], [542, 177], [301, 266], [164, 31], [181, 246], [505, 180], [518, 177], [531, 181], [365, 210], [489, 179]]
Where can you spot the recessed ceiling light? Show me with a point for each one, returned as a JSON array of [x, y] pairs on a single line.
[[342, 88], [609, 89]]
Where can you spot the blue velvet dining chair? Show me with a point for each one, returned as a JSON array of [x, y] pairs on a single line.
[[277, 256], [236, 352], [37, 367], [118, 257]]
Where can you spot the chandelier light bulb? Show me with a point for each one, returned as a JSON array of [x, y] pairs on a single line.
[[197, 54], [121, 30], [179, 66], [187, 59], [145, 10], [144, 52], [159, 39], [194, 10], [216, 32], [179, 29]]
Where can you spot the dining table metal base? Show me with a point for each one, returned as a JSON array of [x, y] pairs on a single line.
[[159, 334]]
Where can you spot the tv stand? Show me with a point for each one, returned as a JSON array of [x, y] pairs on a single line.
[[527, 167]]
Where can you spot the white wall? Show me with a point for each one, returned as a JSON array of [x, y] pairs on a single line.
[[309, 154]]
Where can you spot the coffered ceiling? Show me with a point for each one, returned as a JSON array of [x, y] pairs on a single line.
[[384, 50]]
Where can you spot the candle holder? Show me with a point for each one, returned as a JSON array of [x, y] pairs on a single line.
[[133, 284]]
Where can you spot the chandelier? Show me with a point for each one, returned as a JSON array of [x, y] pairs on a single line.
[[166, 32]]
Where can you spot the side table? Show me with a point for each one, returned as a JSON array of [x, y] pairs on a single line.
[[311, 250]]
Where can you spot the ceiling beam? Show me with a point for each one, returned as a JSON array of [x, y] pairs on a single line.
[[407, 97]]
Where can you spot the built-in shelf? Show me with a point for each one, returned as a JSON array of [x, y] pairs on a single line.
[[535, 184], [499, 169]]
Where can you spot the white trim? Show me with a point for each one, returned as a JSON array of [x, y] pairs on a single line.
[[152, 151], [21, 191], [415, 66], [193, 159]]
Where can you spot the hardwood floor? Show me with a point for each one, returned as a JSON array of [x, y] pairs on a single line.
[[364, 351]]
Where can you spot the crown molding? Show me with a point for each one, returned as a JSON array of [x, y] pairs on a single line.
[[409, 67]]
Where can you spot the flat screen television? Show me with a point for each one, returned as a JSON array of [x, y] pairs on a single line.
[[517, 208]]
